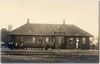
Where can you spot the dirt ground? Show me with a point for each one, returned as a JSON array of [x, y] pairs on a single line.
[[49, 56]]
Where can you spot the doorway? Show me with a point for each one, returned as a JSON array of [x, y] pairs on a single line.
[[59, 42]]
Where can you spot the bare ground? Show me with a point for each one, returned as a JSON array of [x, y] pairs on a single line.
[[49, 56]]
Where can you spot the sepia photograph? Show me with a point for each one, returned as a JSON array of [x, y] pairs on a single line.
[[49, 31]]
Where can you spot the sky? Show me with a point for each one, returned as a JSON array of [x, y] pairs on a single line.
[[82, 13]]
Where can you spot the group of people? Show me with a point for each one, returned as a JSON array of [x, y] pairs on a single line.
[[26, 45]]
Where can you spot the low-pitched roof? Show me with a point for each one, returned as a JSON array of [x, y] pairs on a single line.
[[49, 29]]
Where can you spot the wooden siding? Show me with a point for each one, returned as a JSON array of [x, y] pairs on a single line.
[[55, 42]]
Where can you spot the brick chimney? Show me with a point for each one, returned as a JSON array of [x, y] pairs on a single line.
[[9, 27], [28, 21]]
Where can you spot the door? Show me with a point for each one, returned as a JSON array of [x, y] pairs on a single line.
[[59, 44]]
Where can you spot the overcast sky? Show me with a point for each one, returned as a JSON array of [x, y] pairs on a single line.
[[81, 13]]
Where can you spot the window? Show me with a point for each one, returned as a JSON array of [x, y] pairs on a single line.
[[83, 40], [40, 39], [71, 40], [47, 39], [77, 40], [33, 39]]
